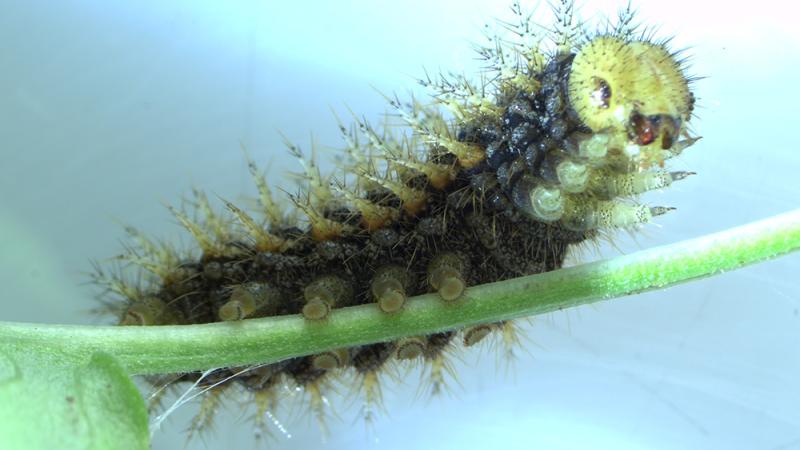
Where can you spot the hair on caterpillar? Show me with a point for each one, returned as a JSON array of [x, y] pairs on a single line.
[[548, 150]]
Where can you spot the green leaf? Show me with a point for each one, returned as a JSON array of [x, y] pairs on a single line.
[[49, 401]]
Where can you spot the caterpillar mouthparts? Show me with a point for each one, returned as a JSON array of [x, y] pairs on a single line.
[[551, 150]]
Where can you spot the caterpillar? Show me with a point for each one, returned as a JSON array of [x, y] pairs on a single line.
[[490, 180]]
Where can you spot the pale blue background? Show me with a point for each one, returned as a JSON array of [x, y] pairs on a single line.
[[108, 108]]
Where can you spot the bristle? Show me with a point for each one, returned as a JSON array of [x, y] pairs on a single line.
[[265, 401], [158, 258], [435, 131], [373, 396], [511, 338], [462, 98], [272, 211], [413, 200], [316, 186], [209, 406], [318, 402], [215, 224], [567, 30], [373, 215], [264, 240], [547, 149], [116, 283], [439, 175], [164, 386], [439, 376], [322, 228], [204, 240]]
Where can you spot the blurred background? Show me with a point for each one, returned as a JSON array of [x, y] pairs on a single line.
[[109, 109]]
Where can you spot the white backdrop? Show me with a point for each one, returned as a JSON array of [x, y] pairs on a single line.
[[109, 108]]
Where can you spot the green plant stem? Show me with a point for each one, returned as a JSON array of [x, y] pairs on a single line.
[[167, 349]]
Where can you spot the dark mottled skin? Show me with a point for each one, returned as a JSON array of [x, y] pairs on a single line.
[[474, 217]]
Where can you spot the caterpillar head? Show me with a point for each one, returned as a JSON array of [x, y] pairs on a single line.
[[632, 92]]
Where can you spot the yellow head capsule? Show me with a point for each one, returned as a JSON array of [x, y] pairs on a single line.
[[633, 89]]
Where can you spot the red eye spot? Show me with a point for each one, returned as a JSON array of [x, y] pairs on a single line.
[[643, 129]]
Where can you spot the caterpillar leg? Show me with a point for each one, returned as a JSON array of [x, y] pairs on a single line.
[[594, 215], [608, 186]]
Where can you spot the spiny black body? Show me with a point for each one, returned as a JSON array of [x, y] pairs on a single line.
[[552, 151], [495, 244]]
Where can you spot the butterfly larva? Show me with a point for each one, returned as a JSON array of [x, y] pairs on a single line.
[[550, 150]]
